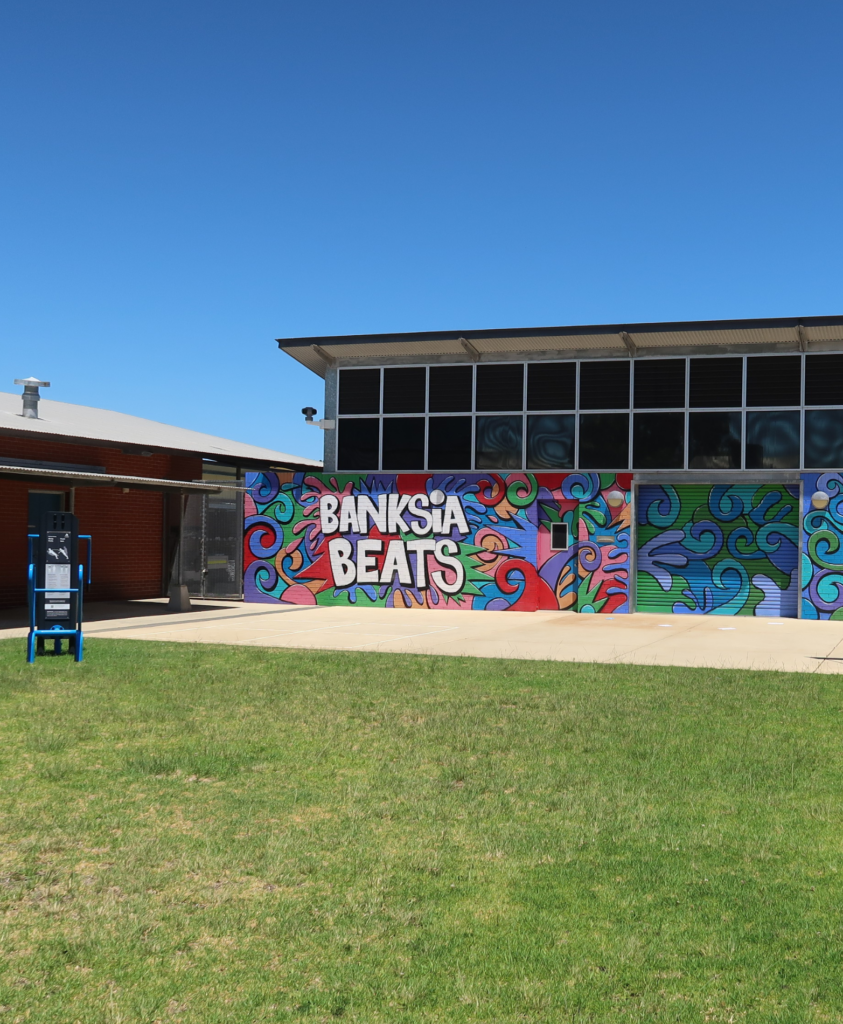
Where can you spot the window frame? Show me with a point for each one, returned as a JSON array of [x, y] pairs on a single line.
[[577, 412]]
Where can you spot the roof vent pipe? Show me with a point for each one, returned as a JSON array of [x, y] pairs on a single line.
[[31, 395]]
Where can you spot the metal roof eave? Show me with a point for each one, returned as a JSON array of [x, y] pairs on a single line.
[[76, 478], [319, 353]]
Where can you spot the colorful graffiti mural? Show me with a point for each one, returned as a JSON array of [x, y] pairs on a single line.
[[721, 549], [412, 540], [822, 549]]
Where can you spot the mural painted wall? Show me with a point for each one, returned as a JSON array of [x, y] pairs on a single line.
[[822, 546], [429, 540], [728, 550]]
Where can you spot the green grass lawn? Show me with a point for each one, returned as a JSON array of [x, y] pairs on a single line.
[[207, 834]]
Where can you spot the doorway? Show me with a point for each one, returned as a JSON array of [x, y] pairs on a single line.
[[41, 502], [210, 555]]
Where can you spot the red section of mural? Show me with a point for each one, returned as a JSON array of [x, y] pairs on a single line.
[[537, 595], [411, 483]]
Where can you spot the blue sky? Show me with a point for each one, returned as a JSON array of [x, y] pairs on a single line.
[[183, 182]]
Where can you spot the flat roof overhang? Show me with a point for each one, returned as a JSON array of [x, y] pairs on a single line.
[[705, 337], [79, 478]]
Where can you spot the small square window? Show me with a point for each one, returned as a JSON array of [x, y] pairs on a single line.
[[450, 388], [658, 440], [660, 384], [772, 440], [403, 442], [497, 442], [403, 388], [604, 441], [604, 384], [500, 388], [824, 379], [360, 392], [774, 380], [716, 383], [550, 441], [714, 440], [824, 439], [551, 385], [449, 442], [357, 445]]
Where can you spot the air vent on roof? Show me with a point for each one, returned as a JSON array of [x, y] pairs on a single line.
[[31, 396]]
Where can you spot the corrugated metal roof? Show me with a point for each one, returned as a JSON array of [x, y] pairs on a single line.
[[692, 335], [84, 423], [72, 476]]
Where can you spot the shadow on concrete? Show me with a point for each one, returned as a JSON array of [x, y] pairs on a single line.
[[102, 611]]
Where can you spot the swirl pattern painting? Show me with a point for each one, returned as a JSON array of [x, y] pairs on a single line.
[[822, 552], [718, 549], [428, 540]]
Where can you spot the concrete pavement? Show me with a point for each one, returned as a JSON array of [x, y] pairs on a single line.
[[639, 639]]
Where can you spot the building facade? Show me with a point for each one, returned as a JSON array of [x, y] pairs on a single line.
[[128, 480], [686, 467]]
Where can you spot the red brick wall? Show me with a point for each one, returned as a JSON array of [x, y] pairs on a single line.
[[127, 528]]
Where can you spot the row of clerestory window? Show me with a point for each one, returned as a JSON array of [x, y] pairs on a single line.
[[719, 382], [723, 439]]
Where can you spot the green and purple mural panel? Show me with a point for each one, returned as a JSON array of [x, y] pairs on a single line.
[[718, 549], [438, 540], [822, 546]]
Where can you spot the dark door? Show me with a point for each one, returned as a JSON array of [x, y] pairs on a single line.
[[41, 502]]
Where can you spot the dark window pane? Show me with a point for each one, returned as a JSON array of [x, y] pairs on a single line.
[[658, 440], [552, 386], [604, 441], [559, 539], [604, 385], [360, 391], [450, 388], [500, 387], [357, 445], [403, 388], [660, 384], [716, 382], [714, 440], [449, 442], [772, 440], [403, 443], [824, 439], [550, 442], [824, 380], [774, 380], [497, 443]]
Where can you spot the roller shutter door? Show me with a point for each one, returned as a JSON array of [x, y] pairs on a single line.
[[718, 549]]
